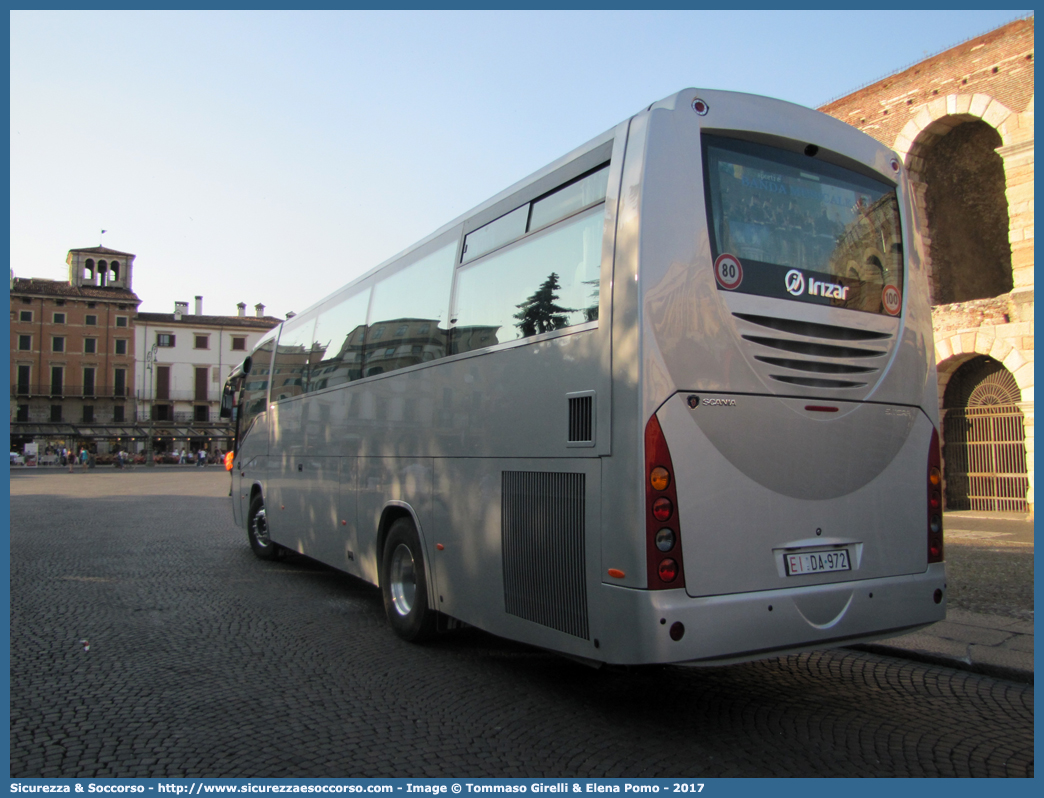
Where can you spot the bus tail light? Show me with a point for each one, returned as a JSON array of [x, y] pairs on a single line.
[[662, 531], [662, 508], [667, 570], [935, 507]]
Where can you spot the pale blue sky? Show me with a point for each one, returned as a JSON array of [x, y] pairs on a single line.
[[273, 156]]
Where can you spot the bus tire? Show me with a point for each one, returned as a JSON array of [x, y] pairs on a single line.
[[404, 585], [257, 531]]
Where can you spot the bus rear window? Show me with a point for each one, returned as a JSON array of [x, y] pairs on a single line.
[[789, 226]]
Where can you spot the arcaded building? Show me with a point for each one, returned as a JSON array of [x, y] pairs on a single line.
[[962, 122]]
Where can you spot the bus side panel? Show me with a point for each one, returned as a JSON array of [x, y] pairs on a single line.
[[400, 480], [284, 510], [304, 512], [623, 539], [466, 515], [250, 466], [237, 503], [526, 567], [346, 539]]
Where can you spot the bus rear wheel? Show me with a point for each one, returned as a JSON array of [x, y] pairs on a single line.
[[404, 586], [257, 531]]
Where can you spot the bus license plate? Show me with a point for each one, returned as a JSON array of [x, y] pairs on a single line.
[[818, 562]]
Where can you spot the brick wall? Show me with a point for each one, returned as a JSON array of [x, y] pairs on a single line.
[[999, 64], [986, 80]]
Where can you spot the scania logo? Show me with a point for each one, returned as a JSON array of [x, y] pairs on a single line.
[[795, 282]]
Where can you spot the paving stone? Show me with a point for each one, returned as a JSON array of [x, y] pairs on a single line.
[[1021, 627], [967, 633], [1019, 643], [1003, 657], [920, 641], [984, 620]]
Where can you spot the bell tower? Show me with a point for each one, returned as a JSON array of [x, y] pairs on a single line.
[[100, 267]]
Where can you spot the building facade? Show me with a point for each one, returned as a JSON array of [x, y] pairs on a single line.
[[89, 371], [183, 360], [73, 353], [962, 122]]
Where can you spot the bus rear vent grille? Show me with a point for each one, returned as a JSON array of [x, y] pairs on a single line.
[[581, 429], [542, 528], [813, 355]]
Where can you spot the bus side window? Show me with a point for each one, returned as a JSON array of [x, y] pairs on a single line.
[[255, 388], [293, 358], [337, 344], [545, 282], [407, 322]]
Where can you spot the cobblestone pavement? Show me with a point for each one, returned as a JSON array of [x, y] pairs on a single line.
[[146, 640]]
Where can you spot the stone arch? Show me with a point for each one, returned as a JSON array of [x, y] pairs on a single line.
[[934, 121], [954, 350], [88, 270], [985, 436], [940, 116]]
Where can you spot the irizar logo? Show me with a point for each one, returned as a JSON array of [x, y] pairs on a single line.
[[795, 282]]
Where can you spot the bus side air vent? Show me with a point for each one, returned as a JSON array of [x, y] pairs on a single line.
[[542, 539], [581, 419]]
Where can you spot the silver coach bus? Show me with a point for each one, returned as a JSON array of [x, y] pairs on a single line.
[[670, 399]]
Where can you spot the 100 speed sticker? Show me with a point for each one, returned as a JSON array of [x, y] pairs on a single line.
[[728, 271], [891, 299]]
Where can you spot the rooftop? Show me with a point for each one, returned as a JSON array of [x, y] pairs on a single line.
[[64, 289], [103, 251], [198, 320]]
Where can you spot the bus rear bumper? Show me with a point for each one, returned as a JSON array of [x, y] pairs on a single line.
[[718, 630]]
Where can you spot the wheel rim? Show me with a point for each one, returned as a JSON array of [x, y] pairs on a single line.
[[403, 582], [260, 527]]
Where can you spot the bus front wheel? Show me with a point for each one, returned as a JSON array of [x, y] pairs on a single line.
[[404, 586], [257, 531]]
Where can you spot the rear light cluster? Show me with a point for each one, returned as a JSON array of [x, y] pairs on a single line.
[[662, 531], [935, 505]]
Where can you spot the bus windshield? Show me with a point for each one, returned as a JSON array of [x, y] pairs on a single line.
[[796, 228]]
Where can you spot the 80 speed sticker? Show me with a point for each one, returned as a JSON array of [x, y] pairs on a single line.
[[728, 271]]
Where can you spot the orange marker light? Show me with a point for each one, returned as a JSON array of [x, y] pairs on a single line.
[[439, 546], [616, 573], [660, 478]]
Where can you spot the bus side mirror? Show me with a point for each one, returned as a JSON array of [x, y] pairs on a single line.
[[227, 403]]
